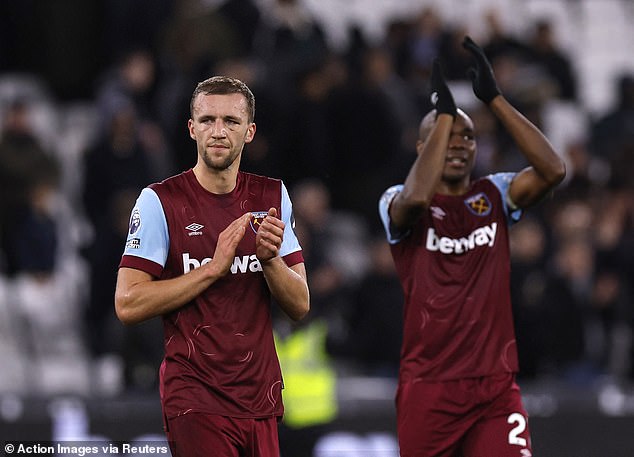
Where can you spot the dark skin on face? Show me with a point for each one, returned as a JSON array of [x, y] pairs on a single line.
[[446, 153], [460, 155]]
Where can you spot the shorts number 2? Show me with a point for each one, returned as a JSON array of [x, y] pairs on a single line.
[[520, 421]]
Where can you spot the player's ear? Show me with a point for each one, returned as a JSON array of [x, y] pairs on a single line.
[[250, 133], [190, 127]]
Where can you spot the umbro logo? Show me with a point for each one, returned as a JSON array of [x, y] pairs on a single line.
[[437, 212], [194, 229]]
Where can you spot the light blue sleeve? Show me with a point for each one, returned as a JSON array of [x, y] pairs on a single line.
[[290, 243], [503, 181], [148, 236], [393, 235]]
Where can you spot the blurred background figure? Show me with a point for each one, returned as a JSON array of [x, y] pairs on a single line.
[[612, 135], [333, 241], [375, 299], [30, 178], [545, 52], [529, 254], [43, 306]]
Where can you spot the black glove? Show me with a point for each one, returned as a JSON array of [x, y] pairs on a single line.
[[484, 85], [440, 94]]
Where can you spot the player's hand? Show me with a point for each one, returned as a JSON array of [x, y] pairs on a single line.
[[228, 241], [440, 94], [484, 84], [268, 240]]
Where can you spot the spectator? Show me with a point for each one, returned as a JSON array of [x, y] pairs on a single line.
[[310, 139], [123, 158], [381, 72], [544, 51], [30, 177], [334, 240], [499, 40], [288, 39], [367, 136], [116, 168], [31, 224], [612, 135], [426, 36], [376, 301], [528, 243], [566, 312]]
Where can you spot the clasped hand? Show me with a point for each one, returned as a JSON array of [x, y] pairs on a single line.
[[268, 239]]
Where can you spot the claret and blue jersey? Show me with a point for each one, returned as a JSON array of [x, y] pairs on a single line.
[[454, 267], [219, 352]]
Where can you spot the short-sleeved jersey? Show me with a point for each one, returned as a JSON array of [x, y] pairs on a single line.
[[219, 352], [454, 268]]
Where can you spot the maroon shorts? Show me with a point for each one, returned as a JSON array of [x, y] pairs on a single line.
[[204, 435], [478, 417]]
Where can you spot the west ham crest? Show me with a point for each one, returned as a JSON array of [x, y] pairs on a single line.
[[256, 219], [479, 204]]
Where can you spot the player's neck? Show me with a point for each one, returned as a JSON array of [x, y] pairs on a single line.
[[453, 187], [217, 181]]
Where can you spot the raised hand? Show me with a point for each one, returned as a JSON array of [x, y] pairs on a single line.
[[228, 241], [440, 94], [484, 84]]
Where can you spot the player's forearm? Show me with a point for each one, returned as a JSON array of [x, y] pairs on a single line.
[[139, 300], [288, 286], [422, 179], [531, 141], [421, 182]]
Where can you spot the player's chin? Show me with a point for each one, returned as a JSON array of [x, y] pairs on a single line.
[[217, 163], [453, 175]]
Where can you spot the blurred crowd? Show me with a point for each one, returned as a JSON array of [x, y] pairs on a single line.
[[339, 127]]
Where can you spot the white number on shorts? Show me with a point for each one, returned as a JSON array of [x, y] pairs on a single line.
[[514, 438]]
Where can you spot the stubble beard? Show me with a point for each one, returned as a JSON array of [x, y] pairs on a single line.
[[223, 165]]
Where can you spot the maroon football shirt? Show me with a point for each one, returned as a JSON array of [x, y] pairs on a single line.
[[454, 267], [219, 352]]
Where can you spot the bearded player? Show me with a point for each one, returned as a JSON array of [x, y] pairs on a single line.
[[207, 250]]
